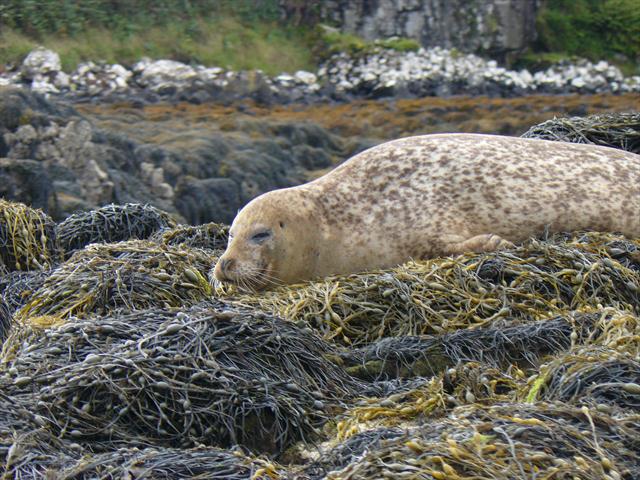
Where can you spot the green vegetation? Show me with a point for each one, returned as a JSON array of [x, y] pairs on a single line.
[[232, 34], [276, 35], [595, 29], [235, 34], [331, 40], [224, 42], [70, 17], [400, 44], [536, 61], [334, 41]]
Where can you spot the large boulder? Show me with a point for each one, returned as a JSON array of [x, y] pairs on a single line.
[[497, 27]]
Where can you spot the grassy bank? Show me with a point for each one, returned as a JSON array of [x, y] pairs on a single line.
[[224, 41]]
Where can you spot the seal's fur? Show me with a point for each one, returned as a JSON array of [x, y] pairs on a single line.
[[431, 195]]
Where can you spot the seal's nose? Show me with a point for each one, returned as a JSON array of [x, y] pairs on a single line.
[[222, 268], [225, 265]]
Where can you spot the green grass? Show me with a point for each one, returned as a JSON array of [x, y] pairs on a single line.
[[400, 44], [595, 29], [330, 40], [224, 42]]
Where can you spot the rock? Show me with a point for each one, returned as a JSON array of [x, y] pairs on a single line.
[[208, 74], [204, 200], [28, 182], [441, 72], [40, 62], [62, 81], [100, 79], [70, 150], [498, 27], [305, 78], [376, 73], [85, 167], [578, 82], [154, 176], [163, 75], [206, 174]]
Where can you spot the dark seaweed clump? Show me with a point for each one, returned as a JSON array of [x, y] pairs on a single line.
[[111, 223], [212, 236], [618, 130], [131, 275], [207, 375]]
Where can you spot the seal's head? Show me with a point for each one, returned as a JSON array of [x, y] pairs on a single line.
[[271, 242]]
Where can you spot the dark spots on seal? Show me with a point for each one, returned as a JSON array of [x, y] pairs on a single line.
[[521, 176], [406, 171], [393, 194], [467, 207], [444, 162]]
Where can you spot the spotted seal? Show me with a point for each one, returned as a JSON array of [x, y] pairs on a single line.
[[427, 196]]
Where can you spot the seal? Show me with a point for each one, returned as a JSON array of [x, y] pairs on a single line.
[[427, 196]]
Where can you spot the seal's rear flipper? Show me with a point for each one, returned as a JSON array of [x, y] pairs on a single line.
[[487, 242]]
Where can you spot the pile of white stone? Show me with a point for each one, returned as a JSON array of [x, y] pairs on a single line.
[[436, 71], [449, 71]]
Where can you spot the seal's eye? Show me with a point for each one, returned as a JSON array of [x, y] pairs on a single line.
[[260, 236]]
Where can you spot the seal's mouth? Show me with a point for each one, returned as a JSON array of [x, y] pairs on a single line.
[[248, 279]]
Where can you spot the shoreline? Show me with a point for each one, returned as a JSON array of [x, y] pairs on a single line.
[[383, 74]]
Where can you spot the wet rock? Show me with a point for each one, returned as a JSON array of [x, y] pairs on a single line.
[[86, 168], [69, 147]]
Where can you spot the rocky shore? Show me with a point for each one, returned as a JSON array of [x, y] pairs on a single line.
[[344, 77]]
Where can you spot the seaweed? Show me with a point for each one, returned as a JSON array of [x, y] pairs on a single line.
[[131, 275], [212, 236], [28, 239], [521, 345], [601, 377], [15, 290], [502, 441], [207, 375], [617, 130], [534, 281], [111, 223]]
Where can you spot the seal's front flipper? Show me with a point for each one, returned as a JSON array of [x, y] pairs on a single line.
[[480, 243]]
